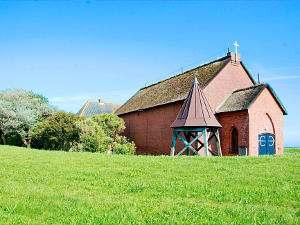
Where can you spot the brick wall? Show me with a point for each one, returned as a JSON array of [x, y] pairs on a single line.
[[231, 77], [150, 129], [230, 120], [265, 116]]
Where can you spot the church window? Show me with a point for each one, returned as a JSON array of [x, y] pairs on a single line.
[[234, 141]]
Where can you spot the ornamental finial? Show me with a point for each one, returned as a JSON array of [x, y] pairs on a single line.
[[195, 80]]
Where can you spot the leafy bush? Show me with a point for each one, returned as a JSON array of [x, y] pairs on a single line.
[[110, 123], [57, 132], [125, 149], [19, 112], [66, 131], [113, 126], [92, 138]]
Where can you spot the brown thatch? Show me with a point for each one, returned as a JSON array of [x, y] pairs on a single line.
[[242, 99], [173, 89]]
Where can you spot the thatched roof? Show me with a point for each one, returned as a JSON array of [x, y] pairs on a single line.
[[173, 89], [95, 107], [242, 99]]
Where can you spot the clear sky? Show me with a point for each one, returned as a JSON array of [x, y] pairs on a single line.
[[72, 51]]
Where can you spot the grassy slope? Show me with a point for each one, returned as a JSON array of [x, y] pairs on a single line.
[[57, 187]]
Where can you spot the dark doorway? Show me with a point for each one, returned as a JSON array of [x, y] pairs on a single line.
[[266, 144], [234, 141]]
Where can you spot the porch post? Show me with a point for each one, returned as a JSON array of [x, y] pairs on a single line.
[[173, 143], [205, 142], [187, 137], [218, 143]]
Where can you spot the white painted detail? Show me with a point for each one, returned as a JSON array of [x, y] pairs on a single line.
[[272, 139], [262, 141]]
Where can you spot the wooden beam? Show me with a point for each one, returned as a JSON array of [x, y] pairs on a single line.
[[181, 138], [188, 144], [212, 152], [211, 137], [205, 143], [200, 142], [173, 143], [218, 143], [194, 150], [179, 153], [189, 129], [187, 137], [188, 133]]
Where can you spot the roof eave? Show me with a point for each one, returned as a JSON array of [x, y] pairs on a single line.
[[142, 109], [180, 99], [216, 73], [283, 109], [187, 71], [238, 110], [248, 73]]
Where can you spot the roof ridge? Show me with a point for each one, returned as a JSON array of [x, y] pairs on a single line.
[[187, 71], [251, 87], [94, 101], [112, 103], [247, 99], [91, 101], [174, 88]]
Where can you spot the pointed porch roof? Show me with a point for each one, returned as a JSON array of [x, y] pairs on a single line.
[[195, 111]]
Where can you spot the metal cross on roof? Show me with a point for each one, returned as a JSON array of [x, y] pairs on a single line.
[[235, 44]]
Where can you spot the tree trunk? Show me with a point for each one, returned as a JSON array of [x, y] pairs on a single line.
[[26, 143], [3, 139]]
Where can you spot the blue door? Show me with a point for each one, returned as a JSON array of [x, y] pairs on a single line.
[[262, 144], [270, 144], [266, 144]]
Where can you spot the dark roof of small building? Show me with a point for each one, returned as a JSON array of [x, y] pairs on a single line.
[[172, 89], [195, 111], [95, 107], [242, 99]]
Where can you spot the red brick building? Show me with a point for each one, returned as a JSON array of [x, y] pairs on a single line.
[[251, 114]]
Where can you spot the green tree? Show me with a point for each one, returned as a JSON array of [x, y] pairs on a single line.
[[92, 138], [110, 123], [113, 126], [68, 132], [19, 111], [58, 132]]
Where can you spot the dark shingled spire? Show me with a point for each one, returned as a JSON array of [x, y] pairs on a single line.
[[195, 111]]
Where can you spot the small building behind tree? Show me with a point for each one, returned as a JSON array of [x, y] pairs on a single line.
[[97, 107]]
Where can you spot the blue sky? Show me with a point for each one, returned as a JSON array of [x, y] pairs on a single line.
[[74, 51]]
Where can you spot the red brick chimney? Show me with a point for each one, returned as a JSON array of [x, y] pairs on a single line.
[[233, 58]]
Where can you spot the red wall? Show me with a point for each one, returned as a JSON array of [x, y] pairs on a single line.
[[232, 77], [265, 116], [238, 120], [150, 129]]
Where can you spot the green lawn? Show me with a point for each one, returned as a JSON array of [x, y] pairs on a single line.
[[49, 187]]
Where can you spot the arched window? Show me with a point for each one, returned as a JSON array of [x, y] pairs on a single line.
[[234, 141]]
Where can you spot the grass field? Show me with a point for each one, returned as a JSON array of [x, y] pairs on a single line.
[[49, 187]]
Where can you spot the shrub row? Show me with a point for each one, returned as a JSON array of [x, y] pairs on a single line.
[[66, 131], [27, 119]]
